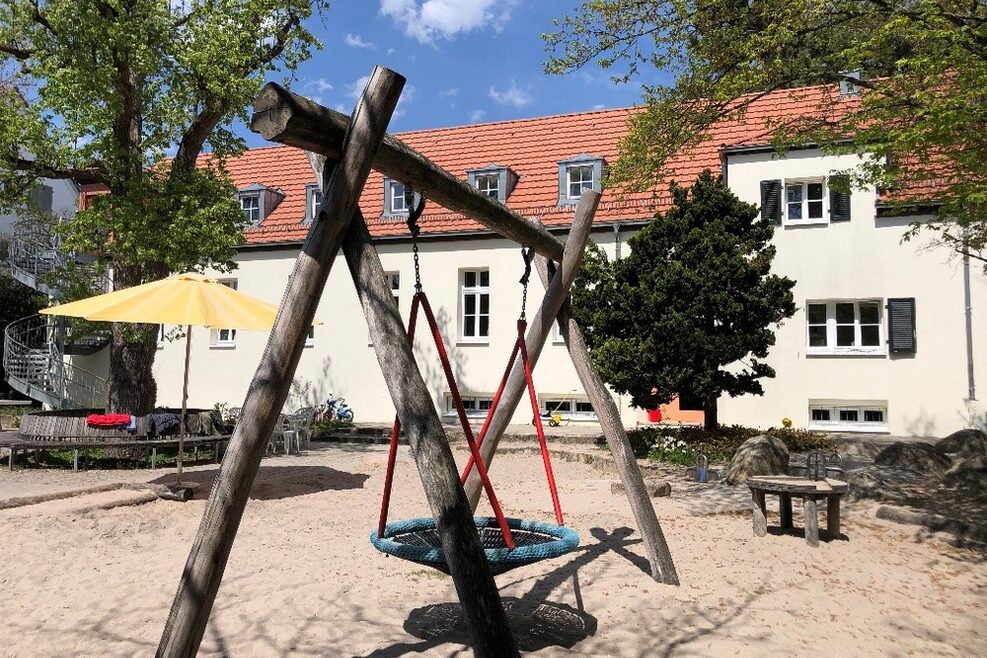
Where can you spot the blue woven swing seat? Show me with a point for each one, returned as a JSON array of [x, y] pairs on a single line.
[[417, 540]]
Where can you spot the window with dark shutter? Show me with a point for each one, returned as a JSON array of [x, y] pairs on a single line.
[[839, 201], [771, 201], [901, 325], [42, 196]]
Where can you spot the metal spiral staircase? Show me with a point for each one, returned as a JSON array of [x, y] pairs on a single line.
[[35, 347]]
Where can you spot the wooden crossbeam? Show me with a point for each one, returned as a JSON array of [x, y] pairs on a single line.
[[267, 393], [287, 118]]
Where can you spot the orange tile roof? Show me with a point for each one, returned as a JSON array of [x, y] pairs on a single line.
[[532, 149]]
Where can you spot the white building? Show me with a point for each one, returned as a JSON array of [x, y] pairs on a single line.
[[837, 365]]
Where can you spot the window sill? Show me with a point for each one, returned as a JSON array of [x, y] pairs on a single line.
[[847, 352], [223, 346], [862, 427], [805, 222], [473, 341]]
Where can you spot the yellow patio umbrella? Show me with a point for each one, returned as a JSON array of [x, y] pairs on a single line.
[[187, 299]]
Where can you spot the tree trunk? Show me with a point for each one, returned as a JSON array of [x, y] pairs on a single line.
[[711, 419], [132, 389]]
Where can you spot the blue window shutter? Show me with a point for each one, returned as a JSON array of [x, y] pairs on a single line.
[[771, 201], [839, 202], [901, 325], [387, 196], [598, 175], [502, 185], [562, 194]]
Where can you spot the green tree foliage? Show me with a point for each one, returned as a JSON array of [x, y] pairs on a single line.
[[16, 301], [920, 118], [100, 91], [692, 307]]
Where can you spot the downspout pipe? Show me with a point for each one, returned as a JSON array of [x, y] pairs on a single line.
[[968, 317], [616, 240]]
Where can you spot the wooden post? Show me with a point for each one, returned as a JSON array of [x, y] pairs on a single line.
[[811, 511], [207, 560], [538, 331], [287, 118], [785, 510], [453, 517], [833, 515], [759, 507], [662, 566]]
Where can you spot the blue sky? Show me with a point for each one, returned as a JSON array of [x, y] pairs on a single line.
[[466, 61]]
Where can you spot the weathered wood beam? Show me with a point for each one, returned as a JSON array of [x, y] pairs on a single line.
[[468, 566], [285, 117], [217, 531], [556, 292], [659, 557]]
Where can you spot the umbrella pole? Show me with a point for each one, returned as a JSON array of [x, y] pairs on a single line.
[[181, 437]]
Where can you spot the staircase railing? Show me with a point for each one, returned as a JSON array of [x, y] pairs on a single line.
[[36, 368]]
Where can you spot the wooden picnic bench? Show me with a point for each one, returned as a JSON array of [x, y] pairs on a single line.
[[83, 443], [785, 486]]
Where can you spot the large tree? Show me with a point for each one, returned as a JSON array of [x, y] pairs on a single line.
[[691, 309], [921, 67], [100, 91]]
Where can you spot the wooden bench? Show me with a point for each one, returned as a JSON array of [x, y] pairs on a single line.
[[84, 443], [785, 486]]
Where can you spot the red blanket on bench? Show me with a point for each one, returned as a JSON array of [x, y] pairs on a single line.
[[108, 420]]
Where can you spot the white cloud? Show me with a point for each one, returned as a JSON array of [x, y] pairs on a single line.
[[354, 41], [390, 51], [513, 95], [355, 88], [446, 93], [599, 106], [444, 19], [321, 85], [477, 115]]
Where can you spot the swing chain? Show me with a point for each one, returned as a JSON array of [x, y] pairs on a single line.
[[527, 254], [415, 230]]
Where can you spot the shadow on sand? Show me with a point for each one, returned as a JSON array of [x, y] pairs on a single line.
[[277, 482]]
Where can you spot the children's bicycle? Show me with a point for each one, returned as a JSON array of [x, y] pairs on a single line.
[[336, 409]]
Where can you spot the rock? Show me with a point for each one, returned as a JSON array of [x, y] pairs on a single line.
[[968, 472], [655, 488], [856, 446], [881, 483], [759, 455], [918, 457], [967, 442]]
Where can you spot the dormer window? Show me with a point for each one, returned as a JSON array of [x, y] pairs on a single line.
[[494, 181], [313, 199], [583, 172], [257, 202], [399, 198], [250, 204]]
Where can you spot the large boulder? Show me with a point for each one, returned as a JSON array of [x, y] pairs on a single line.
[[919, 457], [966, 442], [968, 471], [759, 455]]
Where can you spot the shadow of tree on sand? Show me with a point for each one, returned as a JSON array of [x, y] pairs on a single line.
[[277, 482]]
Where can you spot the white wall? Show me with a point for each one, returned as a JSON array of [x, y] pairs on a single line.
[[65, 200], [342, 361], [863, 258]]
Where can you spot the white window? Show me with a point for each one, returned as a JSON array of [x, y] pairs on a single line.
[[315, 200], [805, 201], [844, 327], [161, 336], [579, 177], [224, 338], [489, 184], [250, 204], [476, 406], [394, 283], [402, 197], [848, 416], [475, 305], [568, 408], [310, 337]]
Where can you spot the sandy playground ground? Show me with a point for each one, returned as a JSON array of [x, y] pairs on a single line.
[[303, 578]]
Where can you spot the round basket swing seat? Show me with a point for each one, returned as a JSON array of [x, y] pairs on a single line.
[[417, 540]]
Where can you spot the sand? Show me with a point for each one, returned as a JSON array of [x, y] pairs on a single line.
[[303, 579]]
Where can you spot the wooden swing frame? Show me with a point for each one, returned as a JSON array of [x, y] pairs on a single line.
[[353, 146]]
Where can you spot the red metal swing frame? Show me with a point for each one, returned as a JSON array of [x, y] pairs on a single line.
[[420, 300]]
